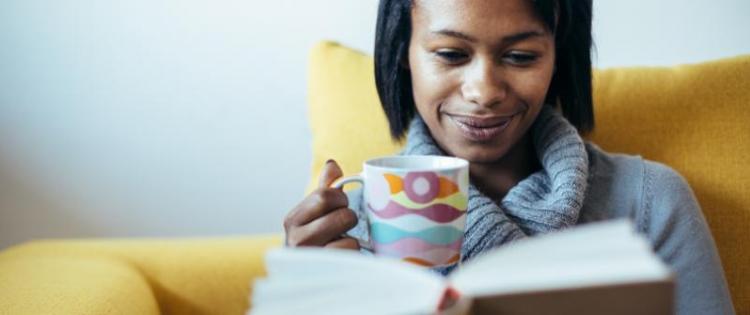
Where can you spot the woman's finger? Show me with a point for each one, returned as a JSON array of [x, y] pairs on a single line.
[[330, 173], [325, 229], [344, 243], [317, 204]]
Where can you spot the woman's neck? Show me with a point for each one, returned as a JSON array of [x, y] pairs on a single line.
[[495, 179]]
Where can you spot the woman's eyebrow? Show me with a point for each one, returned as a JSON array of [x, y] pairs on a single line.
[[509, 39]]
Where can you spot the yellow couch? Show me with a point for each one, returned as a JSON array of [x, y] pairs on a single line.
[[177, 276], [693, 118]]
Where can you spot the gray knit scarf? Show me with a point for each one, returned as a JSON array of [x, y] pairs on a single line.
[[547, 200]]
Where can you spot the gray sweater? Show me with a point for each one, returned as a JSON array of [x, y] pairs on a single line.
[[581, 183]]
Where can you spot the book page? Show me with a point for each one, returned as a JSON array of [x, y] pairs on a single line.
[[330, 281], [594, 254]]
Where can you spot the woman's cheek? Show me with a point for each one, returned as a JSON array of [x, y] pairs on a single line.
[[532, 86], [430, 89]]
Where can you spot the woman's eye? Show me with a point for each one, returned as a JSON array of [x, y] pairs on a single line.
[[520, 59], [451, 56]]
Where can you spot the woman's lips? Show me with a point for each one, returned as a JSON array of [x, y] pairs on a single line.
[[481, 128]]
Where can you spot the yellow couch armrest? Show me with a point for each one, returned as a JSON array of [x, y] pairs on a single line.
[[133, 276], [52, 284]]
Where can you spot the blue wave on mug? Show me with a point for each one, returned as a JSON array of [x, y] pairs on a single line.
[[439, 235]]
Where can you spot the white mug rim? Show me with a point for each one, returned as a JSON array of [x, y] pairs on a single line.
[[458, 163]]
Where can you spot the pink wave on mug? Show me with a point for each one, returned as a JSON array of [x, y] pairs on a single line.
[[414, 245], [440, 213]]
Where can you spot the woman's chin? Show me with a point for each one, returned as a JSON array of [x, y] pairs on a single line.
[[475, 152], [480, 154]]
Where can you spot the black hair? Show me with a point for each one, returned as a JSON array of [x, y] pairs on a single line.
[[569, 20]]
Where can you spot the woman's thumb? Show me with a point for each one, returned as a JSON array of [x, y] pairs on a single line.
[[330, 172]]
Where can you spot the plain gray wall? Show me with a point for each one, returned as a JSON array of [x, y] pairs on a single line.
[[187, 118]]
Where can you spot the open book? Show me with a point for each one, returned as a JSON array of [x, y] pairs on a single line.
[[598, 268]]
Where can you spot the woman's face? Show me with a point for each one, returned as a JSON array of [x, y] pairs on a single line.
[[480, 73]]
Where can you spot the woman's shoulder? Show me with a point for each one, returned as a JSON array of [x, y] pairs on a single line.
[[633, 169], [632, 186]]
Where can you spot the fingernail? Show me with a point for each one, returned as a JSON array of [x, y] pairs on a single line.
[[330, 161]]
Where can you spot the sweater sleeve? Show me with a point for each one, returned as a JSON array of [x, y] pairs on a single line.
[[360, 231], [678, 231]]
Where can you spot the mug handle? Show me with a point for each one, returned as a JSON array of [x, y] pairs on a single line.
[[367, 245]]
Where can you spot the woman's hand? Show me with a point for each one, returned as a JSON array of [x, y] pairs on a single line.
[[323, 216]]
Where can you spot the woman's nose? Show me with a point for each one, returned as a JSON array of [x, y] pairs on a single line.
[[483, 85]]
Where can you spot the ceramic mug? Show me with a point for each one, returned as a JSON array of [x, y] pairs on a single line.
[[416, 207]]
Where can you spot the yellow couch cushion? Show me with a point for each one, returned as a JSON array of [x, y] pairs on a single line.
[[694, 118], [346, 120], [177, 276], [62, 284]]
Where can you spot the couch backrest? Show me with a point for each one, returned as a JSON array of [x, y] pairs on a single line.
[[695, 118]]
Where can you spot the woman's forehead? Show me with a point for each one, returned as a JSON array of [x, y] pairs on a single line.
[[478, 17]]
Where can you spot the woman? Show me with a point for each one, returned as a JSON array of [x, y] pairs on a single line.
[[507, 86]]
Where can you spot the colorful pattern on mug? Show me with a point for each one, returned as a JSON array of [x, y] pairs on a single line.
[[418, 217]]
